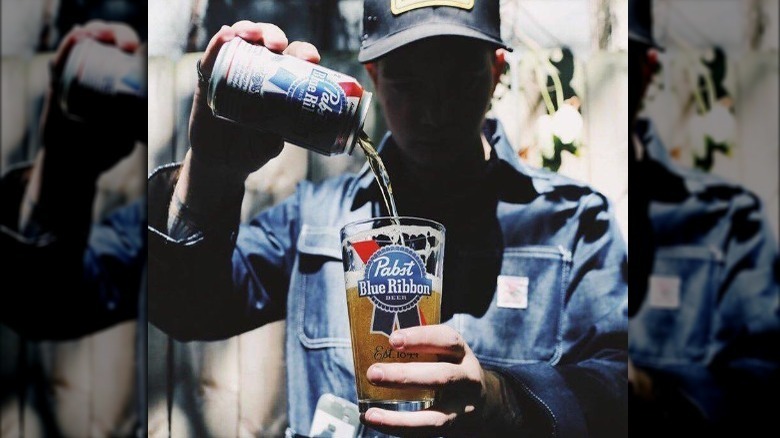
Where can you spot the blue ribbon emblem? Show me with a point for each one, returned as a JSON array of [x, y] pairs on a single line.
[[395, 282]]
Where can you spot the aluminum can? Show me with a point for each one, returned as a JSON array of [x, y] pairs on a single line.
[[308, 105]]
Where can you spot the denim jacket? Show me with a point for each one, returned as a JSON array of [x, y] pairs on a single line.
[[712, 300], [564, 354]]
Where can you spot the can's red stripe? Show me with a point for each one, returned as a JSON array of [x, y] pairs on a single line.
[[351, 89]]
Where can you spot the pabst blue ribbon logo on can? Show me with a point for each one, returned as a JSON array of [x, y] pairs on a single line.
[[395, 282], [320, 94], [322, 101]]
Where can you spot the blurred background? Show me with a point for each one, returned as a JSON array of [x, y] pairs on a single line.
[[87, 386], [563, 101], [705, 323], [715, 100]]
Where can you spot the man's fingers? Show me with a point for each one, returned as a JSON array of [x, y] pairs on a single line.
[[419, 423], [438, 339], [223, 35], [266, 34], [416, 375], [305, 51]]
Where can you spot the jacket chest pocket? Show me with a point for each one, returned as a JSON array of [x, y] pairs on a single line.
[[317, 290], [523, 322], [675, 322]]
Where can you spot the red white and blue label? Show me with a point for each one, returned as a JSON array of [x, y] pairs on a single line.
[[395, 281]]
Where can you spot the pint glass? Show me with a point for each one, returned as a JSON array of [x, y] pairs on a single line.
[[393, 274]]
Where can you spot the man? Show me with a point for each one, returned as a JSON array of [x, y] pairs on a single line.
[[704, 304], [556, 367]]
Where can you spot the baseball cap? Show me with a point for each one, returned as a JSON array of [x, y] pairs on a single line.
[[390, 24], [640, 22]]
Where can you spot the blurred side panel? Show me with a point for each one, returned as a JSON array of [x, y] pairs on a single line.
[[14, 115], [759, 132], [161, 115]]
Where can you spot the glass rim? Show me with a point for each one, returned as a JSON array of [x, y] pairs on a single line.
[[430, 222]]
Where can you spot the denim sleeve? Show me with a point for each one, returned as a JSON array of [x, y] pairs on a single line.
[[586, 392], [57, 287], [222, 283]]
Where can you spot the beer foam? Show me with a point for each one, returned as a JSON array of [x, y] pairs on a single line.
[[394, 232], [351, 278], [436, 283]]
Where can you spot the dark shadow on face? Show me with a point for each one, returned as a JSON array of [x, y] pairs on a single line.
[[435, 93]]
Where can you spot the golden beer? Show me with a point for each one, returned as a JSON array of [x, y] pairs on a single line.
[[370, 348]]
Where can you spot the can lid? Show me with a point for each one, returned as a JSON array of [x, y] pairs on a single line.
[[362, 112]]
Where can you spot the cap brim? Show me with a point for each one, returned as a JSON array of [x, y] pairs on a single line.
[[416, 33]]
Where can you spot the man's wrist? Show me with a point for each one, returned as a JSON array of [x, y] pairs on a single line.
[[205, 198], [182, 222], [205, 172]]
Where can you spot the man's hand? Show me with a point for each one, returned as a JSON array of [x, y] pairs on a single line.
[[464, 388], [232, 150], [222, 154], [88, 148]]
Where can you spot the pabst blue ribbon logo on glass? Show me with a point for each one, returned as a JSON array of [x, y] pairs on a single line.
[[395, 282]]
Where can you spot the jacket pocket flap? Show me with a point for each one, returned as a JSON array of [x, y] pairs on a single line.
[[321, 241]]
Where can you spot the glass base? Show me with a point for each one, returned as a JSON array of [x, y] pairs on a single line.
[[395, 405]]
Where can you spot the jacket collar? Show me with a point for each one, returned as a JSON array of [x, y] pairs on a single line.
[[506, 163]]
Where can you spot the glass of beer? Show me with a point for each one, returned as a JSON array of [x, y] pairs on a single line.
[[393, 274]]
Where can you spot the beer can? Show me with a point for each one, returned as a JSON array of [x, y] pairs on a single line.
[[98, 80], [308, 105]]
